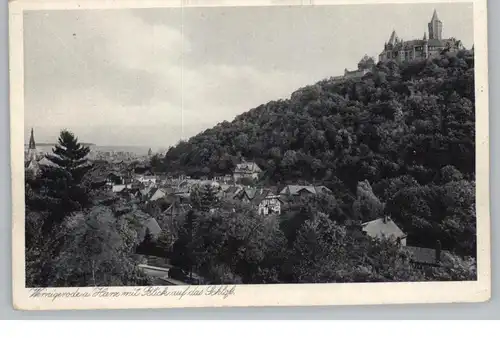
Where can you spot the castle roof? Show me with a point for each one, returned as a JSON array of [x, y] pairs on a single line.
[[435, 16], [393, 38], [420, 42]]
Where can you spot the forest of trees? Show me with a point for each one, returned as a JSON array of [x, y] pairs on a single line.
[[400, 141]]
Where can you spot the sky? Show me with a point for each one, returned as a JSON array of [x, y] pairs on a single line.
[[149, 77]]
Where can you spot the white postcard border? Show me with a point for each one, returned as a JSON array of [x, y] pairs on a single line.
[[247, 295]]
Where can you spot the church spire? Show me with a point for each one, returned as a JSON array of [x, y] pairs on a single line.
[[32, 148], [32, 144]]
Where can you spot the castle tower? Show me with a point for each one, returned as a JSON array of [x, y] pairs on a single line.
[[32, 147], [435, 27]]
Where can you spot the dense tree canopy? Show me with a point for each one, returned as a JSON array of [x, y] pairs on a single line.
[[400, 140], [233, 244]]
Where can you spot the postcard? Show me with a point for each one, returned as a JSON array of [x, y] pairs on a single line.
[[248, 153]]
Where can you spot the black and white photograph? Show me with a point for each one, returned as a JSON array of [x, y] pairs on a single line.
[[192, 146]]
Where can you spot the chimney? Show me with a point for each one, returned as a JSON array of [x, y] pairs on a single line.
[[438, 251], [385, 219]]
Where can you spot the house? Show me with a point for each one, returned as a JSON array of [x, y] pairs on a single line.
[[246, 170], [303, 190], [384, 227], [267, 202], [427, 256], [146, 179], [35, 164]]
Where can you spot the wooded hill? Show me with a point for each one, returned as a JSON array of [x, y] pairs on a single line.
[[408, 129]]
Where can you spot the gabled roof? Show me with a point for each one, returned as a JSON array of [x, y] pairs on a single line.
[[381, 228], [32, 165], [156, 194], [248, 192], [263, 194], [247, 167], [297, 189], [46, 162]]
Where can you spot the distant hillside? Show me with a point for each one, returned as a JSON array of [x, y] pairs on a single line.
[[411, 118]]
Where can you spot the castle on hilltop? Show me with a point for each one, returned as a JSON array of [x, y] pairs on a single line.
[[398, 50]]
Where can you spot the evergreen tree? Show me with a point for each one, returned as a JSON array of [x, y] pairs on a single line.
[[204, 197], [61, 188], [70, 155]]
